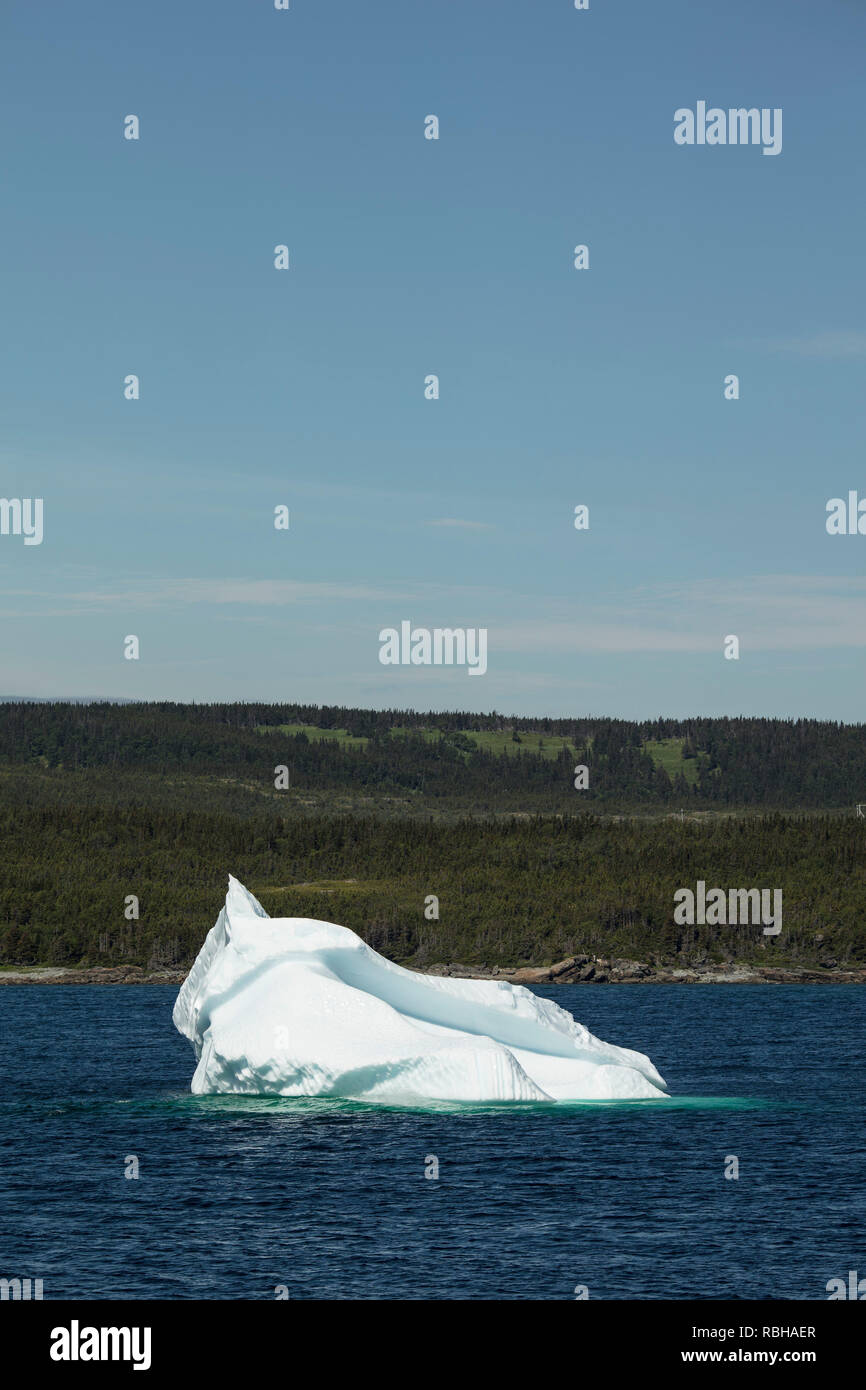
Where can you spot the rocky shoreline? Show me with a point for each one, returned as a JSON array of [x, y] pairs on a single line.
[[95, 975], [597, 970], [576, 970]]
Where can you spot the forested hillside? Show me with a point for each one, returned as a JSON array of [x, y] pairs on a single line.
[[509, 892], [385, 811], [459, 760]]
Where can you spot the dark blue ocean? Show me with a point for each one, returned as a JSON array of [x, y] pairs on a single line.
[[329, 1198]]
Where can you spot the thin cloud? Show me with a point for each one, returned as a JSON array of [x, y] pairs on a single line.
[[252, 592], [831, 345], [767, 612]]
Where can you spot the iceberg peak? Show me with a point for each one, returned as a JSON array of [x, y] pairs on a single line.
[[240, 901]]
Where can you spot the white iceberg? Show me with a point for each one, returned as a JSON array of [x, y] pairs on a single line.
[[289, 1006]]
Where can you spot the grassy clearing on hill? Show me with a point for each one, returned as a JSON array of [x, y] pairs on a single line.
[[491, 741], [668, 753], [339, 736]]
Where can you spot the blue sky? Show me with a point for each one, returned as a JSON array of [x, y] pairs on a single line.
[[454, 257]]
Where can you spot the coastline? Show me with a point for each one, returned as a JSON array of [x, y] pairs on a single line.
[[576, 970]]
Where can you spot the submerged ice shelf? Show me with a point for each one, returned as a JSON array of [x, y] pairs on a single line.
[[294, 1007]]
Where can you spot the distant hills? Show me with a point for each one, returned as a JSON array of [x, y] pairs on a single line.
[[66, 700], [408, 762]]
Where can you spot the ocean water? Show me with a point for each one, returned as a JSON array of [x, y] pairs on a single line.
[[236, 1196]]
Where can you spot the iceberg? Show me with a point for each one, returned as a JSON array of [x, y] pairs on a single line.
[[289, 1006]]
